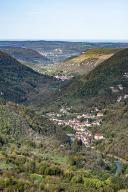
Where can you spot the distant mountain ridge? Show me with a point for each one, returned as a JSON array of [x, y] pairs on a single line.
[[26, 55]]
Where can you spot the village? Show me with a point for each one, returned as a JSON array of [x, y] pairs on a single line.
[[63, 77], [81, 124]]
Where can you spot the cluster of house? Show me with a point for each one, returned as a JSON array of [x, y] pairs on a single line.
[[74, 123], [120, 88], [63, 111], [120, 98], [80, 127], [125, 75], [84, 135], [90, 116], [117, 88], [63, 77], [81, 133]]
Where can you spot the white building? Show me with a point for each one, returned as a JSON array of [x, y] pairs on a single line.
[[98, 136]]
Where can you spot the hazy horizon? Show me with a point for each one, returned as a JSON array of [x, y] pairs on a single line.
[[71, 40]]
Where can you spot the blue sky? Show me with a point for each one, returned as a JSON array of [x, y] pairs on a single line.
[[64, 19]]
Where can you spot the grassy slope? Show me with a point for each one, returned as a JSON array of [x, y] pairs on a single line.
[[85, 62]]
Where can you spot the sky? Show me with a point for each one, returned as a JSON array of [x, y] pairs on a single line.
[[64, 20]]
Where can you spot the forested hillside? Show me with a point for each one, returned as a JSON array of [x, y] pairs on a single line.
[[37, 151], [20, 83]]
